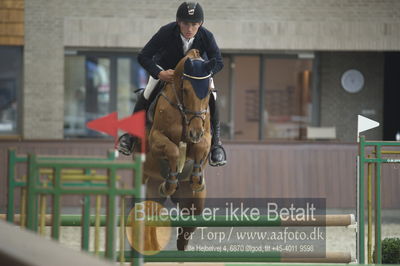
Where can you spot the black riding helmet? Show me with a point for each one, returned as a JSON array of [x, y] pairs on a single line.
[[190, 12]]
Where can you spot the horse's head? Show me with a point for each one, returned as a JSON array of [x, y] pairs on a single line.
[[195, 92]]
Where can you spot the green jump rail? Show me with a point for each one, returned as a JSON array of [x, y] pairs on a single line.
[[217, 221], [362, 164], [13, 183], [57, 190], [57, 187], [244, 256]]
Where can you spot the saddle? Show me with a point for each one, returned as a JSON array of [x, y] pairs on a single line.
[[152, 102]]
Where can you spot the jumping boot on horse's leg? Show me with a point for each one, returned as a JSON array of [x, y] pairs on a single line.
[[217, 152], [126, 142], [170, 185], [196, 178]]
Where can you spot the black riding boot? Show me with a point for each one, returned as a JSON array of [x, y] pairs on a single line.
[[217, 153], [127, 142]]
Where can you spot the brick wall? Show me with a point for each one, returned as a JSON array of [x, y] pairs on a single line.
[[256, 24], [11, 22], [43, 111]]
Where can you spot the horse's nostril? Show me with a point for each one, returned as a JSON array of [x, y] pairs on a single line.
[[195, 135]]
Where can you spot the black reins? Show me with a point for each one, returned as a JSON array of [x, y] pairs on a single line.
[[184, 111]]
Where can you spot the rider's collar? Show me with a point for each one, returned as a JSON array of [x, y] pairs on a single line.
[[190, 41]]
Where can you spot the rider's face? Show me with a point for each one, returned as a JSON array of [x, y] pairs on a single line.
[[189, 29]]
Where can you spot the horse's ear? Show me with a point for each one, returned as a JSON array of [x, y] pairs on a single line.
[[188, 66], [210, 65], [179, 69]]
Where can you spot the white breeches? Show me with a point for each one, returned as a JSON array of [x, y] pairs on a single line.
[[150, 87], [153, 82]]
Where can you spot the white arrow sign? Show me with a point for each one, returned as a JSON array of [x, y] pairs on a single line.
[[365, 124]]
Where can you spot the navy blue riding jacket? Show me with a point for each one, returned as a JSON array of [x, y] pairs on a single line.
[[165, 49]]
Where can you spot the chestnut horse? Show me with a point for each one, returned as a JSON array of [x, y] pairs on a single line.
[[179, 142]]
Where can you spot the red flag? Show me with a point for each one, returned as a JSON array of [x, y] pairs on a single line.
[[107, 124], [135, 125]]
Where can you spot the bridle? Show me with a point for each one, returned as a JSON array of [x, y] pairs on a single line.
[[180, 105]]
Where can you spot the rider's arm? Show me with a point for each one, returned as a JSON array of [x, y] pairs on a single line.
[[145, 57], [213, 51]]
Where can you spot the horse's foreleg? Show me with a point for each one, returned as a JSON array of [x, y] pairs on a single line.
[[184, 234], [194, 202], [152, 208], [197, 180], [200, 152], [163, 147]]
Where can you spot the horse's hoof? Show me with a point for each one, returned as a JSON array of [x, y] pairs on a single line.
[[166, 192], [197, 184], [197, 187], [181, 245]]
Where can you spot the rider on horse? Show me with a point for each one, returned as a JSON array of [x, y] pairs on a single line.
[[161, 54]]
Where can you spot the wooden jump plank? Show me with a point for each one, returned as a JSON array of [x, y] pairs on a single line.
[[21, 247]]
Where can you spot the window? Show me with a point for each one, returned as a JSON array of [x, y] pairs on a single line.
[[260, 97], [97, 84], [287, 92], [10, 87], [265, 96], [247, 87]]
